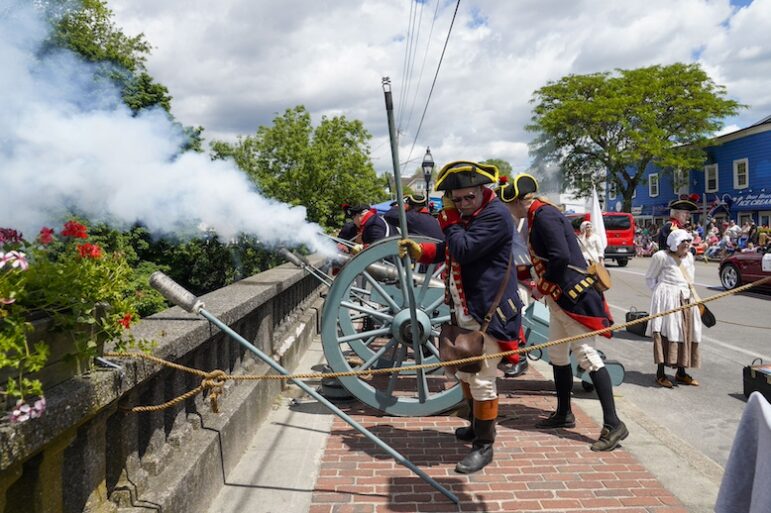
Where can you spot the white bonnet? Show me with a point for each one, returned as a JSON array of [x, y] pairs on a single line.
[[676, 237]]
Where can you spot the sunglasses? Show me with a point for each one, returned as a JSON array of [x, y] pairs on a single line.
[[467, 197]]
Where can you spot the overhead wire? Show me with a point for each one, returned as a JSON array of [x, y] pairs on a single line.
[[422, 67], [410, 71], [405, 64], [433, 84]]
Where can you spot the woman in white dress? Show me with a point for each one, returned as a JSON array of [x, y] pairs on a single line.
[[676, 336], [590, 244]]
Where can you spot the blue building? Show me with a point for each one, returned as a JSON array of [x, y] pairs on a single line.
[[735, 182]]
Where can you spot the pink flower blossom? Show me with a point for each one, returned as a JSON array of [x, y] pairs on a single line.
[[22, 412], [16, 259]]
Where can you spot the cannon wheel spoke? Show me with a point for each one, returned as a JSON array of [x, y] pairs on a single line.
[[357, 295]]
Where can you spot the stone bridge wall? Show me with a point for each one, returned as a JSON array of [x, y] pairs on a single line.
[[87, 454]]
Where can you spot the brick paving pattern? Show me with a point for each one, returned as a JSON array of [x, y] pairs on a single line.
[[533, 470]]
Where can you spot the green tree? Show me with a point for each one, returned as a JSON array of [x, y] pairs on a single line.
[[610, 126], [503, 166], [317, 167]]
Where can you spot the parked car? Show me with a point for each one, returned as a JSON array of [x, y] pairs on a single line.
[[619, 229], [741, 268]]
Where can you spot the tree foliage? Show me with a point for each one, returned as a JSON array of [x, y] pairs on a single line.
[[88, 30], [504, 167], [611, 126], [319, 167]]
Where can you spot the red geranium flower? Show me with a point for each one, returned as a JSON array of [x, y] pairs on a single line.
[[89, 250], [74, 229], [46, 235], [125, 321]]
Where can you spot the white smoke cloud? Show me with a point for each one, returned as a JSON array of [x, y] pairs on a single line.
[[67, 142]]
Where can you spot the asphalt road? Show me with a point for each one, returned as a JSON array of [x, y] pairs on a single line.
[[705, 416]]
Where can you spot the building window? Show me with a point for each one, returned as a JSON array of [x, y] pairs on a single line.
[[764, 218], [744, 218], [612, 190], [710, 178], [741, 174], [653, 185], [680, 182]]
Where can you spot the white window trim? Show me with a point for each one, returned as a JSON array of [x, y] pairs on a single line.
[[612, 190], [762, 214], [744, 216], [650, 183], [680, 182], [634, 193], [746, 171], [706, 178]]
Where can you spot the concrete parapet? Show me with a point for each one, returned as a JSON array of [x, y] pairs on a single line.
[[88, 454]]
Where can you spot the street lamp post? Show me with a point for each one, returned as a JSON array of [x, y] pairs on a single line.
[[428, 167]]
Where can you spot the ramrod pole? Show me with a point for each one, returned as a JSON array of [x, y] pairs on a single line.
[[406, 280], [178, 295]]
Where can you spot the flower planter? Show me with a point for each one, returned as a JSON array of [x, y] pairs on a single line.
[[63, 363]]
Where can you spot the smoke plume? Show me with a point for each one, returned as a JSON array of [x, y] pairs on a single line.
[[68, 144]]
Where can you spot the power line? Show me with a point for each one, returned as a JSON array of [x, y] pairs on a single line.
[[422, 67], [433, 84], [405, 64], [408, 78]]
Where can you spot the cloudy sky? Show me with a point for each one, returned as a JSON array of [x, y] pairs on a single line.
[[233, 65]]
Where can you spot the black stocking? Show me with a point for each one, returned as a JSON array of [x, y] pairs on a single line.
[[604, 388]]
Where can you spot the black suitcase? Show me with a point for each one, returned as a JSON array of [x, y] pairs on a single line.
[[757, 378], [637, 329]]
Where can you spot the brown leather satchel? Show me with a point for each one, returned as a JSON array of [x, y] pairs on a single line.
[[456, 343]]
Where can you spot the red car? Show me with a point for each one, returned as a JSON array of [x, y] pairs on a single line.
[[741, 268]]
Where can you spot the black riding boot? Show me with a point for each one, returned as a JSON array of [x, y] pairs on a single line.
[[563, 417], [466, 433], [485, 413]]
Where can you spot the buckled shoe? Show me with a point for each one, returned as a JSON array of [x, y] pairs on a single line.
[[610, 438], [556, 420]]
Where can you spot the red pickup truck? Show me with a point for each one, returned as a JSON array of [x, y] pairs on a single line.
[[619, 228]]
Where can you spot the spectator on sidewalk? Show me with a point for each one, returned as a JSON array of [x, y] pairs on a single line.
[[675, 336], [575, 307]]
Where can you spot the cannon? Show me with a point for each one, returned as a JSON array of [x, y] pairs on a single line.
[[366, 324]]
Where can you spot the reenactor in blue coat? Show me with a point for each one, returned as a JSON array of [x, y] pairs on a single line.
[[372, 227], [575, 307], [680, 211], [419, 218], [477, 251]]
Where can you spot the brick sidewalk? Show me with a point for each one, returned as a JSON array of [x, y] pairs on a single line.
[[533, 470]]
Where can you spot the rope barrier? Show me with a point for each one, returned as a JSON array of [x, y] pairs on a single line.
[[215, 380]]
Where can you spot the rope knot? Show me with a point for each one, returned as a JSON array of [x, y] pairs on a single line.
[[214, 381]]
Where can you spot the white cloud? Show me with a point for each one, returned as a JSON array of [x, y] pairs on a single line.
[[234, 65]]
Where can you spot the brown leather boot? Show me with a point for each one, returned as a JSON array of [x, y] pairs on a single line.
[[485, 413]]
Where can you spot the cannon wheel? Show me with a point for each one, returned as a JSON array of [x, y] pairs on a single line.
[[387, 340]]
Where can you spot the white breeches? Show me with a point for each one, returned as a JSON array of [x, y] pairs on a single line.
[[483, 383], [561, 325]]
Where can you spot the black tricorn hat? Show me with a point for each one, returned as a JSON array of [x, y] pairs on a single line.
[[356, 209], [460, 174], [683, 203], [517, 188], [415, 200]]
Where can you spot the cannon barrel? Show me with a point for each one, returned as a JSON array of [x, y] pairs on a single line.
[[296, 260], [382, 272]]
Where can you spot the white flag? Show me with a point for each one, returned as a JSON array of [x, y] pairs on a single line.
[[597, 221]]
